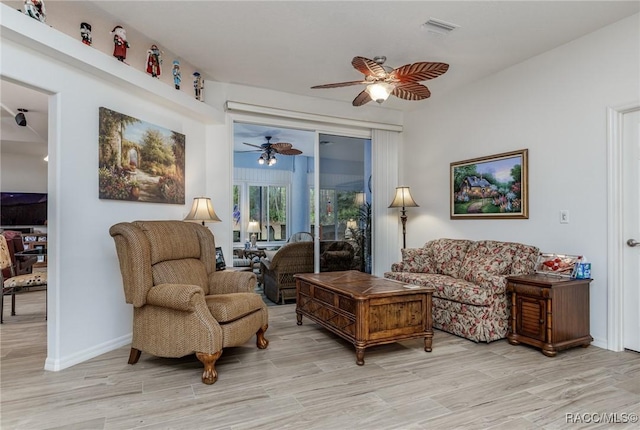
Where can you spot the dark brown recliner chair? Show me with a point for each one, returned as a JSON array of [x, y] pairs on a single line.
[[337, 256]]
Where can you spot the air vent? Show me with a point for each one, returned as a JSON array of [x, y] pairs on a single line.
[[439, 27]]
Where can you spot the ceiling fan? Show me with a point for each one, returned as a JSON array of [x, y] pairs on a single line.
[[382, 80], [269, 150]]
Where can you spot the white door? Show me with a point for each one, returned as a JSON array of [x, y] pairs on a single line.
[[631, 230]]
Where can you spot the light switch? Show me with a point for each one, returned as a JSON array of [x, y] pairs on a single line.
[[564, 216]]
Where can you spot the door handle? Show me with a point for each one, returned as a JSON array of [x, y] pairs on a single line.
[[633, 242]]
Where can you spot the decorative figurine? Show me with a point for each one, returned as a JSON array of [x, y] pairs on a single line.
[[35, 9], [154, 61], [85, 33], [120, 43], [198, 85], [177, 76]]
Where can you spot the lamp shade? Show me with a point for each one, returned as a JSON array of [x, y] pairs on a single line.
[[254, 227], [403, 199], [360, 199], [202, 210], [379, 91]]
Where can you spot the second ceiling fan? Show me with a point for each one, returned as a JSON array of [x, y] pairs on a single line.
[[269, 150], [383, 81]]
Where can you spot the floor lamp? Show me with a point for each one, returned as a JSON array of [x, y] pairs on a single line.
[[202, 210], [403, 200]]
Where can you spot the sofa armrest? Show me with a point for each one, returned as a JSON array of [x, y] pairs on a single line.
[[398, 267], [181, 297], [496, 283]]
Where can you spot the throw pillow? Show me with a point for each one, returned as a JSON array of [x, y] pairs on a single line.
[[417, 260], [270, 254]]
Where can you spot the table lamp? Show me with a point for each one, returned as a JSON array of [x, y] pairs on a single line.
[[202, 210], [253, 228], [403, 200]]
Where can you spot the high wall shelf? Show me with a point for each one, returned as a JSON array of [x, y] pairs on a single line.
[[48, 41]]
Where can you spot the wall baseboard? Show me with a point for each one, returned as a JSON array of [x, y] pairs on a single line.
[[56, 365]]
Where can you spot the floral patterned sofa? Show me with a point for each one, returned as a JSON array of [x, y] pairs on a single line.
[[470, 297]]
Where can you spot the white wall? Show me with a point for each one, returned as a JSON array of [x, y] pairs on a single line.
[[87, 311], [554, 105], [24, 173]]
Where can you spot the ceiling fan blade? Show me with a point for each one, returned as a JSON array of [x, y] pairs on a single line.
[[281, 146], [368, 67], [418, 72], [411, 91], [361, 99], [251, 150], [290, 151], [251, 144], [340, 84]]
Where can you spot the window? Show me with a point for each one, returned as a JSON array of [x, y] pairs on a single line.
[[266, 204]]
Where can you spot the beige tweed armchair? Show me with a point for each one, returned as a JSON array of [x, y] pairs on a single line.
[[181, 304], [277, 273]]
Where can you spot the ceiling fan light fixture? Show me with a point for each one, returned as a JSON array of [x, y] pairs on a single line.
[[379, 91]]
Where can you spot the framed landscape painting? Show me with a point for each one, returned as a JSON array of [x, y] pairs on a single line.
[[139, 161], [491, 187]]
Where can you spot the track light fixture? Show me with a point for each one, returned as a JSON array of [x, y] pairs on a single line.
[[21, 120]]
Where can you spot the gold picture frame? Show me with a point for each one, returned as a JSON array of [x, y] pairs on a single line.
[[493, 187]]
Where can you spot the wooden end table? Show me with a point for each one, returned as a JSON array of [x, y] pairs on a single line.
[[549, 312], [365, 310]]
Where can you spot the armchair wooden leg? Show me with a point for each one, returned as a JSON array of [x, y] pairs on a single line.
[[134, 355], [261, 341], [209, 375]]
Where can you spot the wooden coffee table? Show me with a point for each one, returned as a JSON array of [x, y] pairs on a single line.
[[365, 310]]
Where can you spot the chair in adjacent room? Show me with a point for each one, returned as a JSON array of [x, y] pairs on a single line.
[[181, 304], [301, 236], [12, 283], [336, 255], [23, 264], [278, 270]]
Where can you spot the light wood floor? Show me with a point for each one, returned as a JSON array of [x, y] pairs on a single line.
[[308, 379]]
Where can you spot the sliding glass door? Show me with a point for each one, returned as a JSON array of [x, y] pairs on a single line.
[[322, 187], [344, 221]]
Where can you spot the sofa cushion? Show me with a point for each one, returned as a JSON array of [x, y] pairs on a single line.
[[487, 256], [417, 260], [448, 288], [448, 255], [230, 307]]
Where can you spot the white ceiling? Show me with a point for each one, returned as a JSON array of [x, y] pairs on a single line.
[[31, 139], [290, 46]]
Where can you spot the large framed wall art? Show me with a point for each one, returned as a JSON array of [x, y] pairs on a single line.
[[139, 161], [493, 187]]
